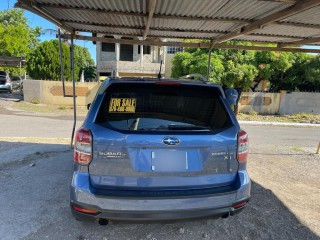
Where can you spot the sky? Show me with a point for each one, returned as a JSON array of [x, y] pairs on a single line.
[[34, 20]]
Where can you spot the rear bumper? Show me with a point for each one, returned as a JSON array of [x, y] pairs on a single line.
[[6, 87], [142, 209], [156, 216]]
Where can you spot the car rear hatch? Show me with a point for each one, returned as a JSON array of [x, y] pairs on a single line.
[[163, 136]]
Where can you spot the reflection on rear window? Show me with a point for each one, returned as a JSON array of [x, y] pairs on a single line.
[[158, 108]]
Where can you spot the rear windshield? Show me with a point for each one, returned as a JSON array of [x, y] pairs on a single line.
[[161, 108]]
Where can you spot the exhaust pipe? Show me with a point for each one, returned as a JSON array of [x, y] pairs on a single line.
[[103, 222], [226, 215]]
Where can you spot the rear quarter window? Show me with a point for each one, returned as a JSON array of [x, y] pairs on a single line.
[[159, 108]]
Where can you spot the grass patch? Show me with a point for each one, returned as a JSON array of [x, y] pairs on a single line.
[[297, 149], [30, 107], [43, 108], [36, 101], [294, 118]]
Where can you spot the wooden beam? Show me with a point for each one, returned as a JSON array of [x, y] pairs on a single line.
[[301, 42], [152, 6], [184, 44], [171, 29], [103, 25], [300, 6]]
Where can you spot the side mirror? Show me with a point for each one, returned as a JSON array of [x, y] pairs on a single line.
[[232, 95], [88, 106]]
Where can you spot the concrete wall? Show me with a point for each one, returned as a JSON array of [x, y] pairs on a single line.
[[31, 90], [264, 103], [298, 102], [131, 68], [168, 62], [50, 92], [283, 103]]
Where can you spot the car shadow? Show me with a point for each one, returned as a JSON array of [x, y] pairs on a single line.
[[13, 97], [35, 183]]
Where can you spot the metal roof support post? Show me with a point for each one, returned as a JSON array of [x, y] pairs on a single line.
[[61, 63], [212, 43], [73, 89], [209, 63]]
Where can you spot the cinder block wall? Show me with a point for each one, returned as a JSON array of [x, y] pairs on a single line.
[[264, 103], [51, 92], [280, 103], [298, 102]]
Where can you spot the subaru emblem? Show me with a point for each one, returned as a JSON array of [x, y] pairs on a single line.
[[171, 141]]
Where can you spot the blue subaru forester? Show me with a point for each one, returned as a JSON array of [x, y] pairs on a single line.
[[153, 149]]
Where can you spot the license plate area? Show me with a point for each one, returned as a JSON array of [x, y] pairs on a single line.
[[169, 161]]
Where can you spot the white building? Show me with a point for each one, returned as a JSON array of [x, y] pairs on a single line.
[[126, 60]]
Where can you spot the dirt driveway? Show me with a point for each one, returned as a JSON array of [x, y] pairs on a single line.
[[35, 175]]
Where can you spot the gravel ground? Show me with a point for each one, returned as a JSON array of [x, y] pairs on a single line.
[[8, 99], [284, 205]]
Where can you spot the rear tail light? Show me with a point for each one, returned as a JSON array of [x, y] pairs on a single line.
[[168, 83], [240, 204], [83, 147], [243, 146], [84, 210]]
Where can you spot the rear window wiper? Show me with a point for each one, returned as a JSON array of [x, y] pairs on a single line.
[[175, 127], [187, 127]]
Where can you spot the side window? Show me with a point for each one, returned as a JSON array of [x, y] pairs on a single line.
[[173, 50], [108, 47], [146, 50]]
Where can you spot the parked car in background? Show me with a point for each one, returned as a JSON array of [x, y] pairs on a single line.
[[5, 82], [17, 83], [159, 149]]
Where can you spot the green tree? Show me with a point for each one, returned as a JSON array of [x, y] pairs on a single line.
[[44, 62], [272, 66], [83, 61], [304, 74], [231, 68], [16, 37], [185, 63]]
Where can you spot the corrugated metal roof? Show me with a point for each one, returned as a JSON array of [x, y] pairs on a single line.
[[290, 31], [109, 30], [186, 18], [97, 17], [112, 5], [311, 16], [194, 25], [270, 39], [249, 9], [176, 34]]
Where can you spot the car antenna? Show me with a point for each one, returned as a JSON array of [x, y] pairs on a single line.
[[159, 74]]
